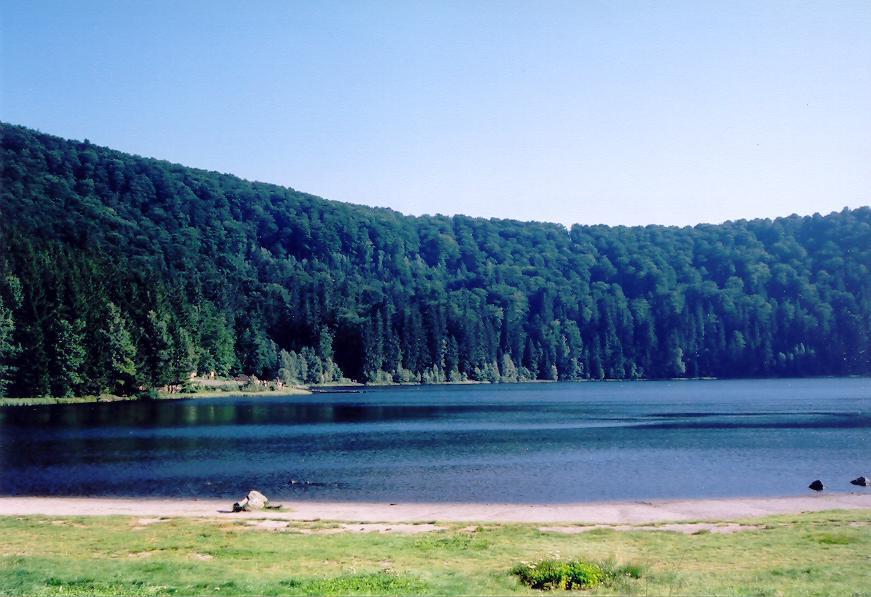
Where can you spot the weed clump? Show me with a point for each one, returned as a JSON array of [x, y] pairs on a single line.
[[556, 574], [835, 539], [574, 574], [458, 542], [377, 583]]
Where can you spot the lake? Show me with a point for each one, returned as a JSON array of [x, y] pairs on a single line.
[[475, 443]]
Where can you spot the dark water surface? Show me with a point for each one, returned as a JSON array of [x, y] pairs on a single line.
[[508, 443]]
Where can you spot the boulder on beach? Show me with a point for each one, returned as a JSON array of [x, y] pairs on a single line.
[[817, 485], [253, 501], [861, 482]]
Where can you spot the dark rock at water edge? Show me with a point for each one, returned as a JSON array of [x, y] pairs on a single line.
[[817, 485], [306, 483], [861, 482]]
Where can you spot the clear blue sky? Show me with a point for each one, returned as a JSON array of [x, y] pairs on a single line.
[[613, 112]]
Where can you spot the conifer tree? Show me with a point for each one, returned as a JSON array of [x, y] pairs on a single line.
[[121, 373], [67, 357]]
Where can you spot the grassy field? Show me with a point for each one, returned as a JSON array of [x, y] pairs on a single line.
[[811, 554]]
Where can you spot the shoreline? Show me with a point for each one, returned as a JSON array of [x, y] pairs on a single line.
[[107, 398], [606, 513], [328, 387]]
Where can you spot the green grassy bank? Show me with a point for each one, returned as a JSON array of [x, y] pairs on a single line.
[[43, 400], [813, 554]]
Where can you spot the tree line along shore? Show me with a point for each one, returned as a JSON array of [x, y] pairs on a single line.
[[119, 273]]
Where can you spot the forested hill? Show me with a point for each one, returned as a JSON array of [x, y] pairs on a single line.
[[118, 272]]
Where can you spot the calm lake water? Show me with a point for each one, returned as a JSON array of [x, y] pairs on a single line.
[[508, 443]]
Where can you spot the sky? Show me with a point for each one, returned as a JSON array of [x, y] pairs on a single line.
[[614, 112]]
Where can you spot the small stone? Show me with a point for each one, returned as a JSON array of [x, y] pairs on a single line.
[[817, 485], [861, 482]]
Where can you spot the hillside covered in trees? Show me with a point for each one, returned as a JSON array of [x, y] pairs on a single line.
[[119, 272]]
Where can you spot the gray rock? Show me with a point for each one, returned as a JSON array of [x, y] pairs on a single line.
[[861, 482], [256, 500], [817, 485], [253, 501]]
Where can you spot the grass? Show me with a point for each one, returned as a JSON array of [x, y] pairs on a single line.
[[208, 393], [43, 400], [811, 554]]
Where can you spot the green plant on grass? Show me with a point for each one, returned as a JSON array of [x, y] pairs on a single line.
[[558, 574], [376, 583], [835, 539], [456, 542], [625, 571], [89, 586]]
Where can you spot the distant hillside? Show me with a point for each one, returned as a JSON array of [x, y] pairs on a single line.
[[118, 271]]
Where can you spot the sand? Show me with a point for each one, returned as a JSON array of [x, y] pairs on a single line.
[[612, 513]]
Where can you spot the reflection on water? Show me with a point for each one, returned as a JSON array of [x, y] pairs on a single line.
[[517, 443]]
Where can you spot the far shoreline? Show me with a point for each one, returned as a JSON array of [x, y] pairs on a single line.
[[162, 396], [332, 387]]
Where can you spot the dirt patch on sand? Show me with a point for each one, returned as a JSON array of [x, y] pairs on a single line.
[[269, 525], [686, 529], [68, 523], [405, 529], [141, 555], [203, 557], [372, 527], [144, 522]]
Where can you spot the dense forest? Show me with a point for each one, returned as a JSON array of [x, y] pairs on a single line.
[[119, 273]]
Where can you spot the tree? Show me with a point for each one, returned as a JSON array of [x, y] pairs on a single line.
[[292, 369], [181, 357], [215, 343], [120, 353], [508, 369], [67, 357], [208, 272], [11, 298], [156, 351], [8, 348]]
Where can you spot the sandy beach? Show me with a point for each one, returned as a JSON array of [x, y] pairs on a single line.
[[637, 512]]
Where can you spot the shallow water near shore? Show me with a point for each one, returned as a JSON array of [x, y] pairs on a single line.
[[522, 443]]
